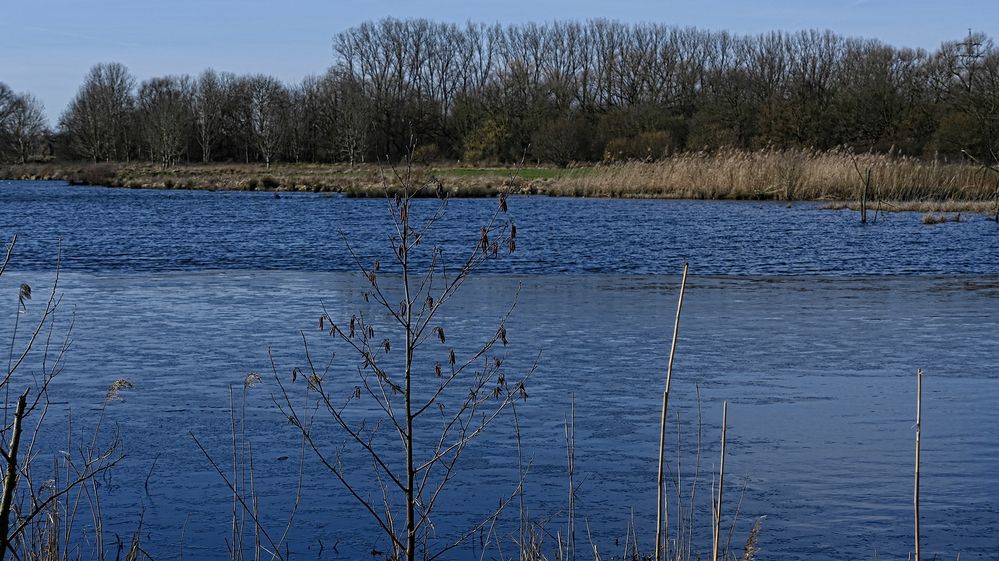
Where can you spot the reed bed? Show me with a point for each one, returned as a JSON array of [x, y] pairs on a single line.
[[901, 182], [783, 175], [972, 207]]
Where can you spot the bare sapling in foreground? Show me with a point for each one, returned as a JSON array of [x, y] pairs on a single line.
[[41, 498], [417, 399]]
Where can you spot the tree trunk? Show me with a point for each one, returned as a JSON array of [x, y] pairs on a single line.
[[10, 479]]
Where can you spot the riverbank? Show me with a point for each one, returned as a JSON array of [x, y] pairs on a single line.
[[900, 183]]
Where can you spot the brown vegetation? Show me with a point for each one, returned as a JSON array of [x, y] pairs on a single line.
[[930, 218], [898, 183], [782, 175]]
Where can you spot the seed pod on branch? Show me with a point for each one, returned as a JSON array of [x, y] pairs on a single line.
[[314, 382], [24, 294]]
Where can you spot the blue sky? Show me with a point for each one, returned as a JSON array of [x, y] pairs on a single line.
[[46, 46]]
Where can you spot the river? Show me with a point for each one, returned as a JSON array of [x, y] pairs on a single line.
[[808, 323]]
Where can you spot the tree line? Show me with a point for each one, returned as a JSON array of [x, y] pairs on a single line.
[[557, 93]]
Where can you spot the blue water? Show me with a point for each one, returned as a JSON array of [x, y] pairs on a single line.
[[119, 230], [810, 325]]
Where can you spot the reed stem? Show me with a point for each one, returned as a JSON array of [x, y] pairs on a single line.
[[915, 494], [721, 483], [660, 491], [863, 197]]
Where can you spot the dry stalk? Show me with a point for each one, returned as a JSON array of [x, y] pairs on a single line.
[[915, 492], [661, 523], [721, 484]]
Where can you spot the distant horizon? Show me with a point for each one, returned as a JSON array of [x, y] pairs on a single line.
[[49, 47]]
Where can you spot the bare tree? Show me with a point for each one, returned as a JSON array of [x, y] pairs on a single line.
[[7, 107], [97, 119], [268, 106], [352, 120], [433, 398], [163, 117], [207, 106], [22, 124], [7, 102], [26, 127]]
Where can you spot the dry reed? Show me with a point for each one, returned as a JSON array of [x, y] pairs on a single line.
[[915, 493], [767, 174], [721, 483], [930, 218], [660, 523], [752, 545], [781, 175]]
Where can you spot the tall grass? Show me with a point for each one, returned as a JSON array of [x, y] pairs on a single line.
[[782, 175], [767, 174]]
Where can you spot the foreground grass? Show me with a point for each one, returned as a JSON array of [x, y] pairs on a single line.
[[900, 183]]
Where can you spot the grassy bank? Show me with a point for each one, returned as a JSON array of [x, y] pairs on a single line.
[[363, 180], [902, 183]]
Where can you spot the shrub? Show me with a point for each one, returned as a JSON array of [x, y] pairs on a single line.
[[426, 153], [647, 146], [486, 143]]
